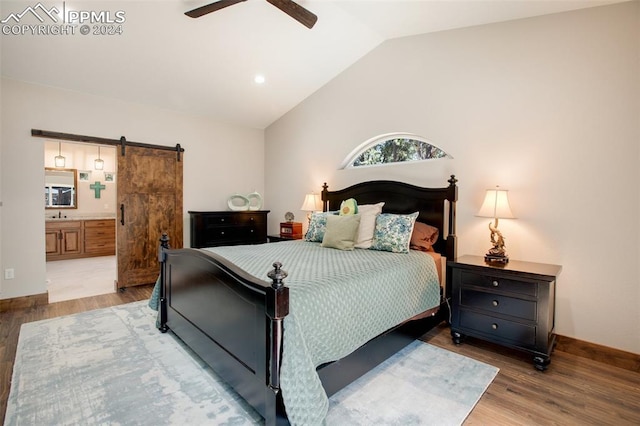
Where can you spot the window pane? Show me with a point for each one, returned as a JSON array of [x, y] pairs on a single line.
[[398, 150]]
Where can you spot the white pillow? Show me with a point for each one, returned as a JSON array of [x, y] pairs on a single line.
[[368, 214]]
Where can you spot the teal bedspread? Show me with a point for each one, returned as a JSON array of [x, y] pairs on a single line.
[[339, 300]]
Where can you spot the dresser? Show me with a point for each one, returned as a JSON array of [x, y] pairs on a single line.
[[512, 305], [227, 228]]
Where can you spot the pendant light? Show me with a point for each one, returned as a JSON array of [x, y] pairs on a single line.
[[98, 164], [59, 160]]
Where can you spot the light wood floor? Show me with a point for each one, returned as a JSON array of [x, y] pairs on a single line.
[[78, 278], [573, 391]]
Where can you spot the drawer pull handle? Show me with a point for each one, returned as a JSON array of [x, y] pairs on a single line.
[[495, 303], [494, 283], [494, 326]]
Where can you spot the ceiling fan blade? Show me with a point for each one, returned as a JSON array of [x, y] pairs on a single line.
[[196, 13], [296, 11]]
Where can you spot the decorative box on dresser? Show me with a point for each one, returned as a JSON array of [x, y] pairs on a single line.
[[512, 305], [227, 228]]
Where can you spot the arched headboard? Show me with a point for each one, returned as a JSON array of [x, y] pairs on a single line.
[[436, 206]]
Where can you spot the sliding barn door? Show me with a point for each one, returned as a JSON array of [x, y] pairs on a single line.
[[149, 203]]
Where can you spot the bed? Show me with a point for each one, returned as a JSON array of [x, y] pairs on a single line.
[[252, 333]]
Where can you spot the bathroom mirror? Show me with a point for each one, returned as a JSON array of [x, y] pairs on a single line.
[[60, 188]]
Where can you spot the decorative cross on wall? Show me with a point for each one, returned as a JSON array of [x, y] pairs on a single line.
[[97, 187]]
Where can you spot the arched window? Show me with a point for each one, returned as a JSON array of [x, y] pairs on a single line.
[[393, 148]]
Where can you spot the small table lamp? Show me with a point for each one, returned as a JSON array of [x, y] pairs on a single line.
[[496, 206], [312, 203]]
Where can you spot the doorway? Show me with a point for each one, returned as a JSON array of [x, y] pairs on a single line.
[[148, 199], [78, 268]]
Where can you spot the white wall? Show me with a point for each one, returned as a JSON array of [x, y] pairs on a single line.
[[219, 161], [81, 156], [547, 107]]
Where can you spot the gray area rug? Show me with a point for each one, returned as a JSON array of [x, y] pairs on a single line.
[[112, 366]]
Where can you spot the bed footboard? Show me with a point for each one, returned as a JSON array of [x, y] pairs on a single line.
[[232, 320]]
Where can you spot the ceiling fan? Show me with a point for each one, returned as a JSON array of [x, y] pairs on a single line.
[[289, 7]]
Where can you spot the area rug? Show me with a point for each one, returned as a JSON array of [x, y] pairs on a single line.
[[112, 366]]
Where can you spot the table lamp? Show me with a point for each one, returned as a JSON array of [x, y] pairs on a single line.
[[312, 203], [496, 206]]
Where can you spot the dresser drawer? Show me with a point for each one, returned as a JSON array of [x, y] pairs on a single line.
[[499, 283], [230, 233], [93, 233], [499, 329], [496, 303], [102, 246], [231, 219], [100, 223], [211, 229]]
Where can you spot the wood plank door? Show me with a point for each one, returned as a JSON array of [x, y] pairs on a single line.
[[150, 202]]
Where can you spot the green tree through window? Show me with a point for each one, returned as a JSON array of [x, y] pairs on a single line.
[[393, 148]]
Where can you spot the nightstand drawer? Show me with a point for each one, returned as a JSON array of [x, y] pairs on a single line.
[[499, 329], [496, 303], [498, 283]]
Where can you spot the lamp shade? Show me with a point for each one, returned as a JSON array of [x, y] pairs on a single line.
[[59, 160], [98, 163], [496, 205], [312, 203]]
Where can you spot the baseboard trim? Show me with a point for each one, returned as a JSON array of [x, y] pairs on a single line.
[[611, 356], [593, 351], [24, 302]]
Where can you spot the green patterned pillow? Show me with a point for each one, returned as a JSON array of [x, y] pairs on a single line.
[[317, 226], [393, 232]]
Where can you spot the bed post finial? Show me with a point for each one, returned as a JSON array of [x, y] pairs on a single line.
[[452, 180], [164, 240], [325, 197], [277, 275]]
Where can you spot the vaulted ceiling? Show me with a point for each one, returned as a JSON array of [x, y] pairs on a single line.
[[206, 66]]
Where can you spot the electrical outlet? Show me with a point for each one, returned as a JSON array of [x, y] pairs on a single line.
[[9, 274]]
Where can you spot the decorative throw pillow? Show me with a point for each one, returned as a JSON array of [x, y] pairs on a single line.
[[341, 232], [317, 226], [393, 232], [348, 207], [424, 237], [368, 214]]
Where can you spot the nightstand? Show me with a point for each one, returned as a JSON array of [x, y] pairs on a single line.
[[511, 305]]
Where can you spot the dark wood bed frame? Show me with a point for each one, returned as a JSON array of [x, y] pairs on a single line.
[[234, 321]]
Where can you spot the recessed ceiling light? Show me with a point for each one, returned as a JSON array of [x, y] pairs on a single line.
[[259, 79]]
